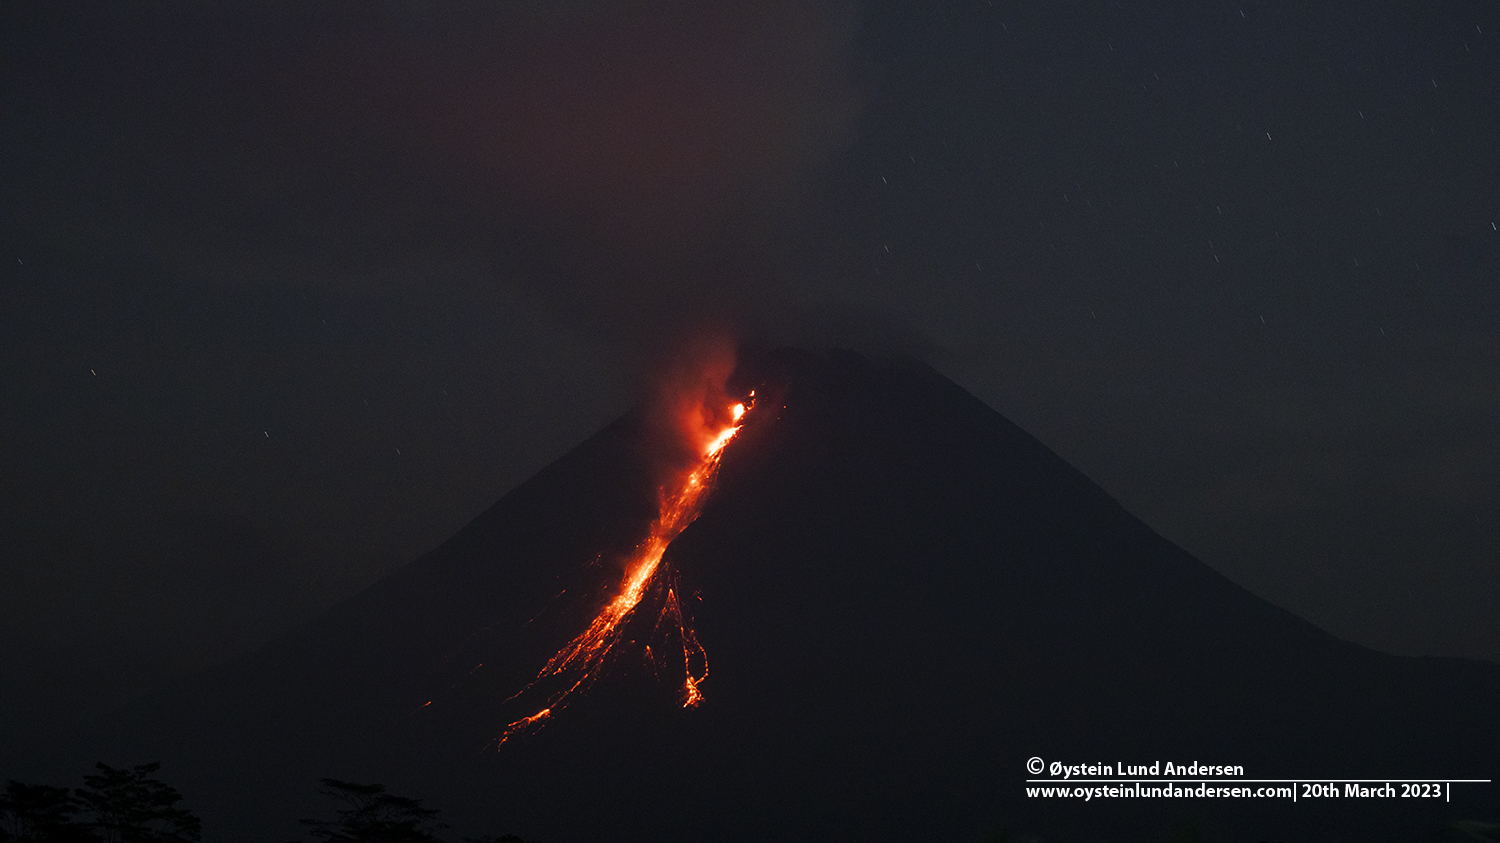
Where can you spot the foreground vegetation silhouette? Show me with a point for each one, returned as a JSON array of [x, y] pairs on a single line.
[[118, 805], [113, 806], [371, 815], [1472, 831], [132, 806]]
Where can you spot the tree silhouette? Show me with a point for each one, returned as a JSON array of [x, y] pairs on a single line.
[[374, 816], [37, 813], [1472, 830], [131, 807]]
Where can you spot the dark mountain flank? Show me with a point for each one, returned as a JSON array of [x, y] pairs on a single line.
[[903, 597]]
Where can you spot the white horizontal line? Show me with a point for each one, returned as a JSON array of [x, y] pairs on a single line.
[[1257, 781]]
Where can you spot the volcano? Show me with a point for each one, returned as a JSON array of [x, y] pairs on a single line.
[[902, 596]]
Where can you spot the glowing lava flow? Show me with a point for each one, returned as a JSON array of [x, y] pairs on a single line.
[[581, 659]]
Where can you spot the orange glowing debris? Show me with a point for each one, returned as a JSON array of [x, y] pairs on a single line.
[[691, 651], [582, 659], [535, 718], [715, 446]]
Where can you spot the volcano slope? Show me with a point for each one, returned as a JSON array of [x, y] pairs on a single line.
[[903, 597]]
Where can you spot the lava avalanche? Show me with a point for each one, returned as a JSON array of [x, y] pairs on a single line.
[[580, 662]]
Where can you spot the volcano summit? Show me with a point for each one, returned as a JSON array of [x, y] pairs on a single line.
[[905, 598]]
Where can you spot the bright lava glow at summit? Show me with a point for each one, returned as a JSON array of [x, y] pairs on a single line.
[[580, 662]]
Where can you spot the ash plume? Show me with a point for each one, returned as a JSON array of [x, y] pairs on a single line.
[[630, 167], [686, 396]]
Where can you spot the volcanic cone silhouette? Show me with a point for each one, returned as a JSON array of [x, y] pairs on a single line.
[[902, 596]]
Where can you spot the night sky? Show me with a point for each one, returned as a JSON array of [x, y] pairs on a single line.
[[290, 291]]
